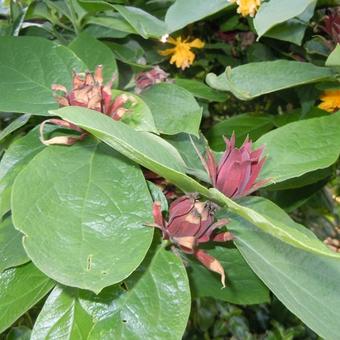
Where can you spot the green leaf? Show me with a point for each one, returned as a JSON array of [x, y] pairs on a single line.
[[294, 29], [78, 210], [333, 59], [144, 23], [300, 147], [187, 145], [255, 79], [93, 52], [14, 125], [16, 157], [144, 148], [114, 22], [242, 285], [12, 252], [28, 68], [200, 90], [306, 283], [62, 316], [243, 125], [282, 229], [184, 12], [155, 304], [275, 12], [174, 109], [138, 115], [20, 289]]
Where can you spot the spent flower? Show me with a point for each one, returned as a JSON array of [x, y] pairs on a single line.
[[190, 223], [181, 53], [146, 79], [87, 91]]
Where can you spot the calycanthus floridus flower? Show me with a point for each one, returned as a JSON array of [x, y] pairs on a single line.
[[247, 7], [236, 173], [181, 53], [87, 91], [190, 223], [330, 100], [146, 79]]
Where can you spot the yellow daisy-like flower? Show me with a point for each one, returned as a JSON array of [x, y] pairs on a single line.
[[182, 55], [330, 100], [247, 7]]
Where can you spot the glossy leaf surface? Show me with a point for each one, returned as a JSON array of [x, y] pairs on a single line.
[[255, 79], [28, 68], [183, 115], [275, 12], [156, 304], [300, 147], [20, 289], [82, 209], [292, 274], [12, 252]]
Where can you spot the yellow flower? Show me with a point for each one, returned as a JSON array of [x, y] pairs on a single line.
[[247, 7], [182, 55], [330, 100]]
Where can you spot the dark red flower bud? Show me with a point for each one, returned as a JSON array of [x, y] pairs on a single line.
[[191, 222], [146, 79], [238, 169]]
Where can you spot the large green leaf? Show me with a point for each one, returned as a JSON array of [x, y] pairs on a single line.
[[300, 147], [62, 316], [28, 68], [93, 52], [80, 207], [308, 284], [12, 252], [255, 79], [143, 22], [156, 155], [242, 285], [184, 12], [19, 153], [274, 12], [171, 117], [242, 125], [146, 149], [20, 289], [294, 29], [155, 305]]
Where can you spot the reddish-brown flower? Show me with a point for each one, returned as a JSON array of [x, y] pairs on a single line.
[[331, 24], [87, 91], [238, 169], [149, 78], [190, 223]]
